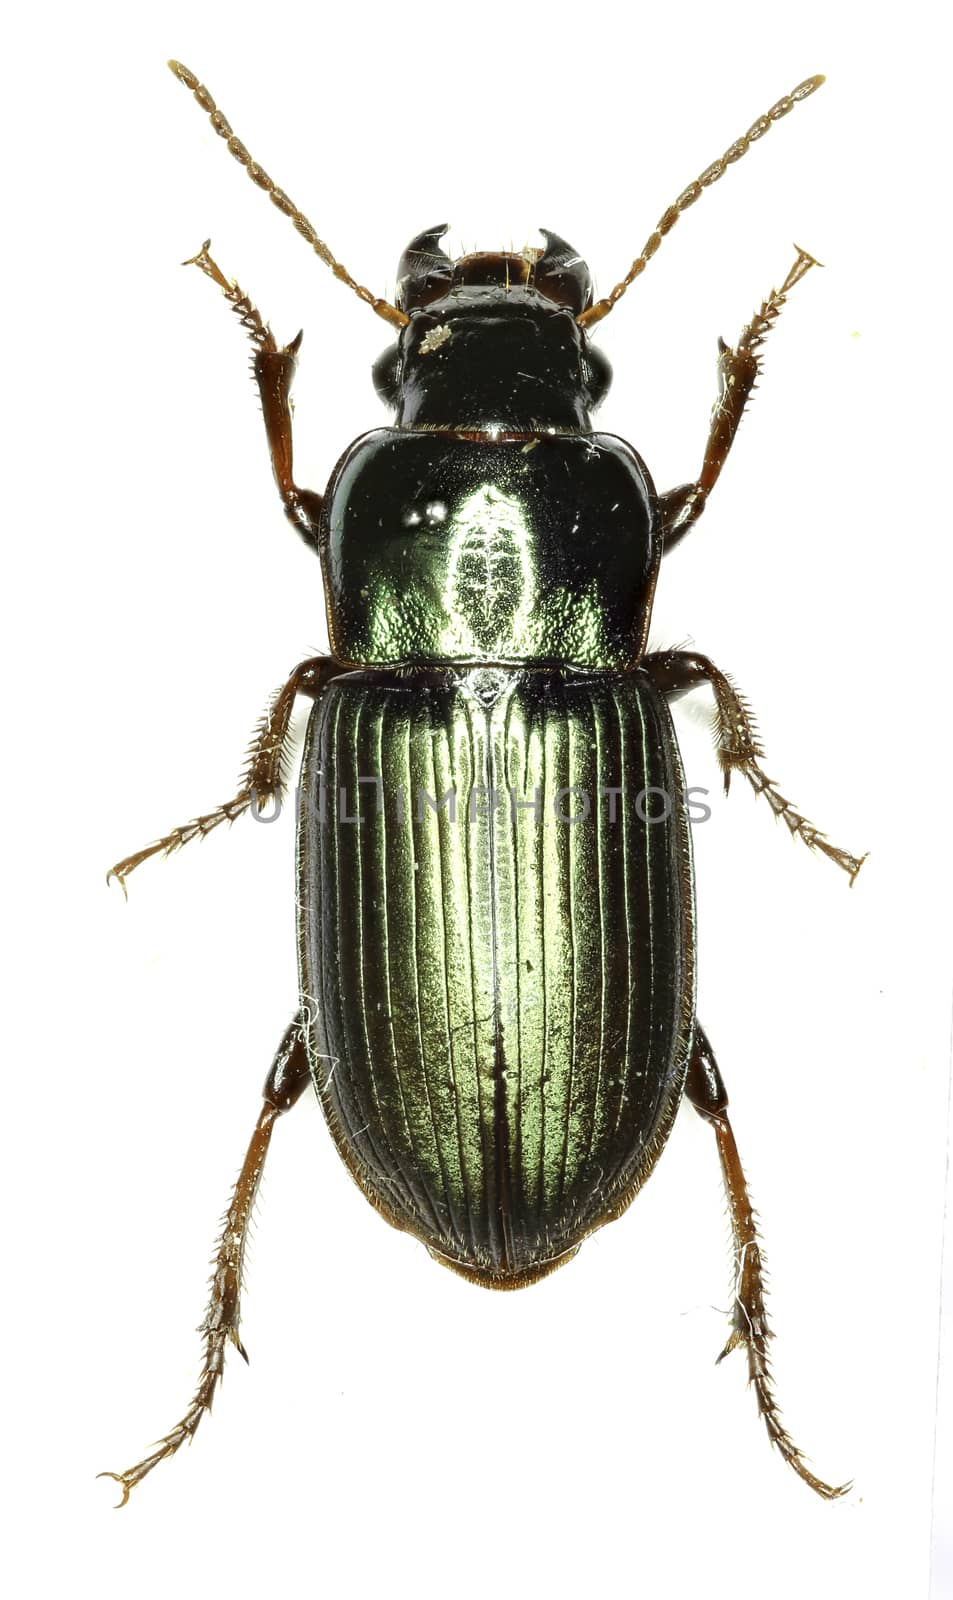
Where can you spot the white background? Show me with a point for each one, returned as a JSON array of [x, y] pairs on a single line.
[[399, 1432]]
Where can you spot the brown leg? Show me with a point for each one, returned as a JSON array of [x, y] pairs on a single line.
[[738, 371], [288, 1078], [274, 371], [705, 1090], [676, 672], [263, 779]]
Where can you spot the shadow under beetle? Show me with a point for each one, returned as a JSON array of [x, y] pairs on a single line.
[[496, 923]]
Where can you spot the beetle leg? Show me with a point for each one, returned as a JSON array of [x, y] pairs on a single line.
[[706, 1091], [289, 1077], [676, 672], [263, 779], [274, 372], [738, 371]]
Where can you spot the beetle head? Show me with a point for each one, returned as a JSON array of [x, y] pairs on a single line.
[[492, 339]]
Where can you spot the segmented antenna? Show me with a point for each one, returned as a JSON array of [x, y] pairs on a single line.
[[688, 196], [279, 198]]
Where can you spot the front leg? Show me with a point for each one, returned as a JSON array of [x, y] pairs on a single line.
[[738, 371], [263, 779], [274, 371], [676, 672]]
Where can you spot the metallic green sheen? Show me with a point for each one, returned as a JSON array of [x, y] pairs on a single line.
[[440, 547], [499, 1001]]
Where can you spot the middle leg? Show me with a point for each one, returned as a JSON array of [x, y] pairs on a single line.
[[264, 776], [676, 672]]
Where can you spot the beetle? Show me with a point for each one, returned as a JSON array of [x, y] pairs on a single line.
[[496, 917]]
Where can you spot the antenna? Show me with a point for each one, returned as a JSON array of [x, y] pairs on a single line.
[[668, 219], [279, 198]]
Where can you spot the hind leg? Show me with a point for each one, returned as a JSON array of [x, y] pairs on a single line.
[[288, 1078], [749, 1322]]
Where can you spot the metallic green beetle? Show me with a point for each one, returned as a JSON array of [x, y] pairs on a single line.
[[495, 899]]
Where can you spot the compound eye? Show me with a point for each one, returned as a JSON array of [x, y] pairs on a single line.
[[385, 374], [597, 372]]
